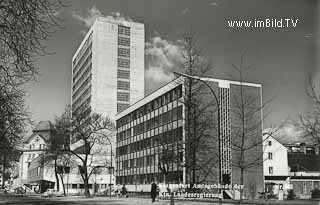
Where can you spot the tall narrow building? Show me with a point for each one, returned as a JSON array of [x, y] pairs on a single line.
[[108, 67]]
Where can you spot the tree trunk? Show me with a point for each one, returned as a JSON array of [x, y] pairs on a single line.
[[241, 183], [4, 169], [86, 185], [56, 174], [63, 187]]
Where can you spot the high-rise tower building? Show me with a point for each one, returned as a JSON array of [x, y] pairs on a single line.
[[108, 67]]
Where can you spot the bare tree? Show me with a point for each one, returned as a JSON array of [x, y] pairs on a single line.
[[13, 119], [65, 163], [93, 132], [56, 155], [310, 123], [168, 158], [246, 135], [24, 27], [200, 112]]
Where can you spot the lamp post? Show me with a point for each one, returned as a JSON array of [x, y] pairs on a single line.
[[218, 105], [111, 167]]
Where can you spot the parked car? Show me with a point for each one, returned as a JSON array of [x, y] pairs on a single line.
[[8, 190], [52, 193], [19, 190]]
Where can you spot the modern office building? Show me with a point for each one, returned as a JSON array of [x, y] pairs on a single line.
[[155, 127], [108, 67]]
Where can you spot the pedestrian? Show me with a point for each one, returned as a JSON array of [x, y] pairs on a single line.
[[154, 190], [124, 191]]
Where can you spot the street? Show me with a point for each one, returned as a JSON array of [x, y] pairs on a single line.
[[12, 199], [80, 200]]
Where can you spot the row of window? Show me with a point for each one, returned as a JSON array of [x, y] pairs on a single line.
[[82, 77], [123, 41], [123, 85], [124, 52], [79, 102], [81, 186], [84, 65], [170, 96], [121, 96], [82, 86], [84, 105], [124, 30], [164, 118], [122, 106], [173, 177], [123, 74], [167, 137], [33, 146], [31, 156], [34, 172], [79, 65], [80, 54], [123, 63]]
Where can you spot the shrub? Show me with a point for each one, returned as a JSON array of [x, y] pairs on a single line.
[[315, 193], [291, 194]]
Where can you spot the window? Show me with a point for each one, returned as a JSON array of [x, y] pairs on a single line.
[[123, 30], [123, 96], [121, 107], [269, 143], [270, 170], [74, 186], [270, 155], [123, 85], [123, 41], [123, 63], [125, 52], [124, 74]]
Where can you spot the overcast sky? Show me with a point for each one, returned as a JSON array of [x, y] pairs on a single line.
[[281, 57]]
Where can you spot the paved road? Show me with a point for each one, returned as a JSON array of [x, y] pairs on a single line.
[[28, 200], [36, 200]]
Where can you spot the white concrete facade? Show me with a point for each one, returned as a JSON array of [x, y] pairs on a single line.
[[103, 66]]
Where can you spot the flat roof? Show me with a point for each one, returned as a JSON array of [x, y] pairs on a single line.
[[108, 20], [163, 89], [174, 83]]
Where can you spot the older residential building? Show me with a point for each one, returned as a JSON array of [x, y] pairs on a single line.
[[290, 163], [32, 147], [275, 165], [155, 126]]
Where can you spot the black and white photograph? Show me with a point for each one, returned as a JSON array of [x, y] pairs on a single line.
[[115, 102]]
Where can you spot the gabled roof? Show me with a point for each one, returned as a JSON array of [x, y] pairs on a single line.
[[43, 126]]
